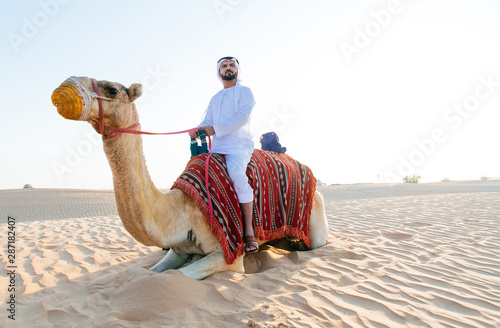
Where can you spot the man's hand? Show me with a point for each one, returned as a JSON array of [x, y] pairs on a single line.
[[209, 130], [193, 134]]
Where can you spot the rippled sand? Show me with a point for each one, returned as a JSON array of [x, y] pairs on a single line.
[[431, 259], [50, 204]]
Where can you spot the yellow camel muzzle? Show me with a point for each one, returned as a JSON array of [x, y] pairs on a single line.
[[72, 100]]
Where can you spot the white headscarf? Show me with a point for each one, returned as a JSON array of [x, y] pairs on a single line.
[[219, 63], [238, 80]]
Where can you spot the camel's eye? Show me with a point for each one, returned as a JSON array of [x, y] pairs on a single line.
[[112, 92]]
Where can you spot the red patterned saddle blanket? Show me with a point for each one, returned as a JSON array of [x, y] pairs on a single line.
[[283, 196]]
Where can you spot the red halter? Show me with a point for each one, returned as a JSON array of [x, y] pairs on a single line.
[[130, 130], [123, 130]]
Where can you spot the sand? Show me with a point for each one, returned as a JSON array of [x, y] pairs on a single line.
[[425, 255]]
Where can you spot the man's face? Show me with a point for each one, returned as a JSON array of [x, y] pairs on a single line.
[[228, 70]]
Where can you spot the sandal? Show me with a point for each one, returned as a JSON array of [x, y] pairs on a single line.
[[251, 245]]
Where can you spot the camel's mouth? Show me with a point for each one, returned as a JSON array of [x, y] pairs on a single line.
[[72, 100]]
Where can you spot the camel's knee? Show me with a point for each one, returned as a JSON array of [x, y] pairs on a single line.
[[206, 266], [318, 225], [237, 265]]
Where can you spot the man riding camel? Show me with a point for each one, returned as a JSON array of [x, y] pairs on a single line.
[[227, 119]]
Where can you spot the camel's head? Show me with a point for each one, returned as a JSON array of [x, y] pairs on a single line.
[[76, 99]]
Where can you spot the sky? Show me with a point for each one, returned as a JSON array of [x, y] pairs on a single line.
[[360, 91]]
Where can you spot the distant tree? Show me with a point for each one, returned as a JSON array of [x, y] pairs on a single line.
[[412, 179]]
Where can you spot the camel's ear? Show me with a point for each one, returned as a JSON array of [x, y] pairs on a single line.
[[135, 91]]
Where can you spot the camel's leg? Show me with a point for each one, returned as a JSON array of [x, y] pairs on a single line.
[[171, 261], [318, 224], [210, 264]]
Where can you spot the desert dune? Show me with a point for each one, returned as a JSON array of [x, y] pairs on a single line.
[[403, 255]]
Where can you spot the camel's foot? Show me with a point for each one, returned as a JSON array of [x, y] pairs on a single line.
[[210, 264], [171, 261], [197, 266]]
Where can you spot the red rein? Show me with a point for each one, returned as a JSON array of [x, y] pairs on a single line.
[[130, 130]]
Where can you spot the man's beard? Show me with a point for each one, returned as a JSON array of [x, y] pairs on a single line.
[[228, 77]]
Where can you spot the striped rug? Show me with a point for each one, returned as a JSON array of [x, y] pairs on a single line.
[[283, 194]]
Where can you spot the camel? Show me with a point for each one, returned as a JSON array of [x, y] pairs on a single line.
[[167, 220]]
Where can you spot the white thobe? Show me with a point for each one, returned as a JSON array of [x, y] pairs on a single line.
[[229, 113]]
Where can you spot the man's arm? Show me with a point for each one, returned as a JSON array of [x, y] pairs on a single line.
[[245, 106]]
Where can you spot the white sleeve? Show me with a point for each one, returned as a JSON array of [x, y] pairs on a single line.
[[245, 106]]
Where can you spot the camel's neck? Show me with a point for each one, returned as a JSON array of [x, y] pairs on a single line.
[[136, 196]]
